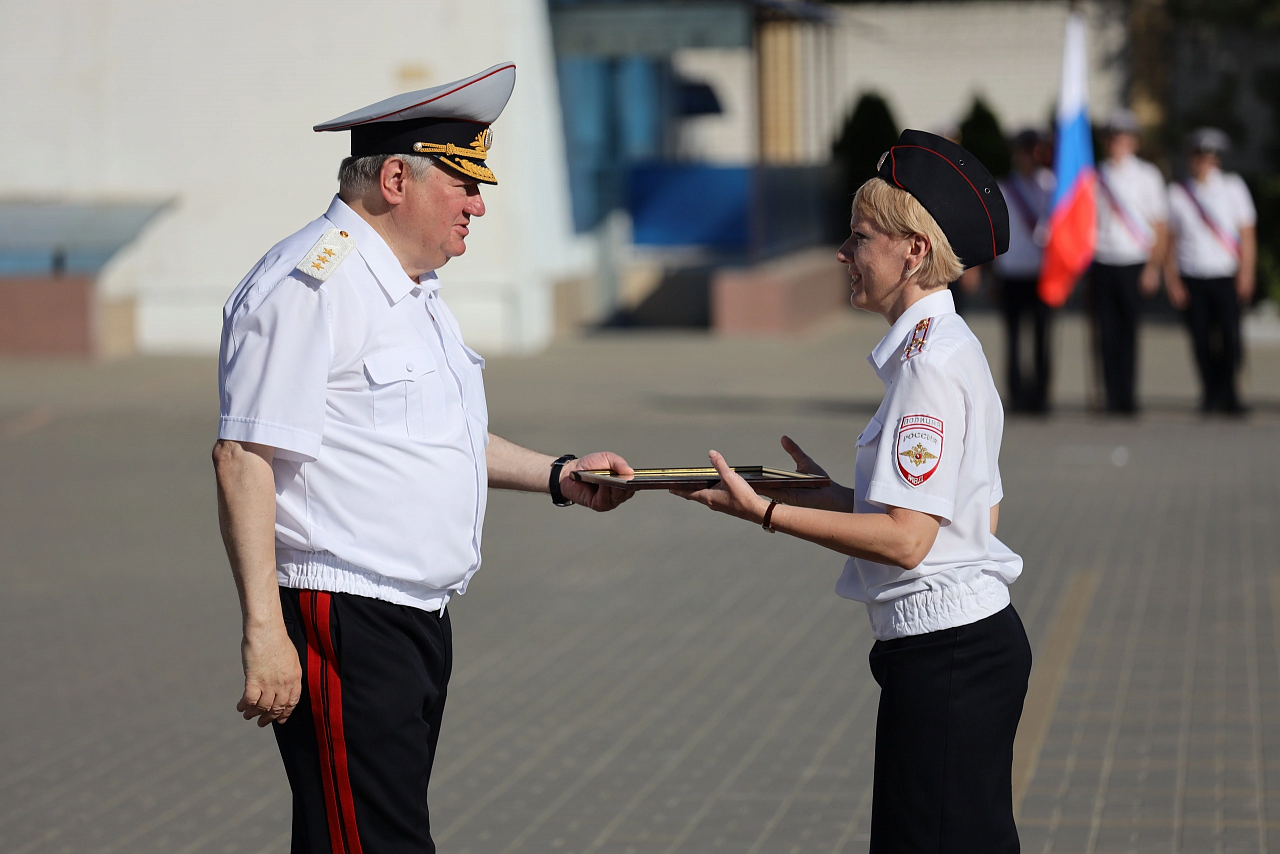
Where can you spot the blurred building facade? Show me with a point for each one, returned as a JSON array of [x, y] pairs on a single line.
[[206, 110], [201, 113], [719, 140]]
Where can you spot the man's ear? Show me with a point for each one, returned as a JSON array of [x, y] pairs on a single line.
[[392, 180]]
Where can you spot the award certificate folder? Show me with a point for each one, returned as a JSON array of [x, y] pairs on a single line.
[[701, 478]]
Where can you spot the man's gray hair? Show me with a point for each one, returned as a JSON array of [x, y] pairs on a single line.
[[359, 175]]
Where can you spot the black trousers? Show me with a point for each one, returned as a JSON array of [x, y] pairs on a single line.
[[359, 747], [1116, 305], [1213, 316], [949, 708], [1020, 304]]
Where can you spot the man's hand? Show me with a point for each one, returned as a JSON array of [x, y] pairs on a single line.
[[514, 467], [272, 676], [247, 517], [597, 497], [1244, 286], [1149, 279], [1177, 291]]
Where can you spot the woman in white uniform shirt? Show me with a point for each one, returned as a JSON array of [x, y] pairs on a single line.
[[951, 655]]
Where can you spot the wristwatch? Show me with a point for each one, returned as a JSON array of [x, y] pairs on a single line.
[[557, 497]]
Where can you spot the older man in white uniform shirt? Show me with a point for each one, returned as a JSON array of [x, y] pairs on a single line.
[[1211, 266], [1132, 213], [353, 463]]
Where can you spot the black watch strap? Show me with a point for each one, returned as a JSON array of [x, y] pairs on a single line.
[[553, 486]]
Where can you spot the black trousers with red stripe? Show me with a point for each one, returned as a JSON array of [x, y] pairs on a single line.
[[359, 747]]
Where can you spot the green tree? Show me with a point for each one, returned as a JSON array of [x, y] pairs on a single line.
[[1255, 14], [980, 133], [868, 132]]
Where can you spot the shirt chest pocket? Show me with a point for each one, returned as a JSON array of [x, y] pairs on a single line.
[[869, 433], [408, 396], [865, 463], [477, 406]]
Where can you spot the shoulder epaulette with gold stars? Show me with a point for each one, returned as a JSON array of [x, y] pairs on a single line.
[[329, 251]]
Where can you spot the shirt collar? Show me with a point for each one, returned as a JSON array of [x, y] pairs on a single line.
[[1212, 177], [930, 306], [376, 253], [1123, 163]]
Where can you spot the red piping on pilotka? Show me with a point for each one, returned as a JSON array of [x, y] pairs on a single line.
[[985, 209]]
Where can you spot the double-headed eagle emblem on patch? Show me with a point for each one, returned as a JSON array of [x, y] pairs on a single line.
[[917, 456]]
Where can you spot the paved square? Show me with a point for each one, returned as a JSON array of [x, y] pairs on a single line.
[[659, 679]]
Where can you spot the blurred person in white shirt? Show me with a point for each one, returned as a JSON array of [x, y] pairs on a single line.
[[1132, 237], [1210, 271], [1029, 191]]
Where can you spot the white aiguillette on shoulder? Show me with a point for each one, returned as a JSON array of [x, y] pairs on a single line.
[[329, 251]]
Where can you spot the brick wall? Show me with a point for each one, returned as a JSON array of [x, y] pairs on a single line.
[[47, 316]]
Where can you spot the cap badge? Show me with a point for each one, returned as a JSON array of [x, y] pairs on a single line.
[[461, 158], [919, 339], [919, 448], [479, 149], [324, 257]]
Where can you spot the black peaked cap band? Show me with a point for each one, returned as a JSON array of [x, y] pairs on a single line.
[[957, 191], [460, 145]]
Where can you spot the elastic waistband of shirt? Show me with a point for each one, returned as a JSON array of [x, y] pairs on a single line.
[[305, 570], [938, 608]]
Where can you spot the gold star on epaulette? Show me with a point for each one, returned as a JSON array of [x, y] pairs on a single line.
[[327, 253]]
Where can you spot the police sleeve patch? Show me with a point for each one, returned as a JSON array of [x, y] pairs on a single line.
[[919, 448], [329, 251]]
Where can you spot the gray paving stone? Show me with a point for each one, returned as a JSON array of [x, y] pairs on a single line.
[[659, 679]]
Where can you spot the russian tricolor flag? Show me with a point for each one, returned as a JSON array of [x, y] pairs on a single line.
[[1073, 223]]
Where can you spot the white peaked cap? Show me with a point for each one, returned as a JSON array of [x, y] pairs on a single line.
[[479, 98]]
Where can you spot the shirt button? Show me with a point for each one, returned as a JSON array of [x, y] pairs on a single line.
[[409, 367]]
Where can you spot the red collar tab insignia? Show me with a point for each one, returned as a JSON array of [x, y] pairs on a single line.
[[919, 339], [919, 448]]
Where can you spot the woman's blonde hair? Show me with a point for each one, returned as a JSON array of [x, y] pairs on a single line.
[[897, 212]]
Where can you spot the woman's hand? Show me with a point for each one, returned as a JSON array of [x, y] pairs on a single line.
[[833, 497], [731, 495]]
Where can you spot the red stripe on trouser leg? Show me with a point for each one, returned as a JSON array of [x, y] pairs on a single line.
[[337, 739], [316, 673]]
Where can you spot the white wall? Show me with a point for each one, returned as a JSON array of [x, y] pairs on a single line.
[[930, 59], [927, 59], [211, 105]]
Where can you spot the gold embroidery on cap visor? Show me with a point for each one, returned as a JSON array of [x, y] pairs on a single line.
[[452, 155]]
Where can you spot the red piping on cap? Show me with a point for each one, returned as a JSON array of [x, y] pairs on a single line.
[[985, 209], [428, 101]]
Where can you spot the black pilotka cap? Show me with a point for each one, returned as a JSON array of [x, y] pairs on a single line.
[[957, 191]]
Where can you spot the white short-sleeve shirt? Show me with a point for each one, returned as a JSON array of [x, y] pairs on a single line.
[[1210, 249], [933, 446], [377, 412], [1028, 198], [1129, 213]]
